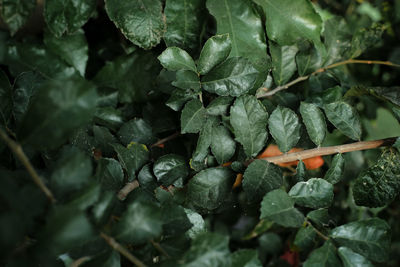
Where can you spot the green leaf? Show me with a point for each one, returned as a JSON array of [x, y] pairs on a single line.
[[337, 39], [193, 117], [366, 38], [6, 99], [141, 21], [214, 51], [308, 61], [284, 127], [315, 122], [370, 238], [72, 48], [301, 172], [187, 79], [245, 258], [219, 106], [314, 193], [287, 21], [198, 224], [320, 217], [106, 259], [208, 250], [352, 259], [109, 174], [345, 118], [184, 22], [71, 172], [122, 74], [305, 238], [234, 77], [136, 130], [133, 157], [248, 118], [378, 185], [278, 207], [16, 13], [67, 15], [323, 256], [71, 102], [179, 98], [146, 179], [209, 188], [170, 168], [175, 220], [222, 144], [203, 143], [103, 140], [174, 58], [335, 172], [141, 222], [241, 21], [260, 178], [283, 62], [109, 117]]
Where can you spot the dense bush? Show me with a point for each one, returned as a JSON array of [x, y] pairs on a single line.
[[151, 132]]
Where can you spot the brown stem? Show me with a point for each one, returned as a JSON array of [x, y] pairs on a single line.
[[122, 250], [79, 261], [318, 232], [159, 248], [334, 65], [166, 139], [323, 151], [19, 153], [129, 187]]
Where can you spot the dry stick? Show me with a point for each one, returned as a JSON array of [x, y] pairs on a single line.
[[159, 248], [79, 261], [318, 232], [166, 139], [303, 78], [19, 153], [329, 150], [122, 250]]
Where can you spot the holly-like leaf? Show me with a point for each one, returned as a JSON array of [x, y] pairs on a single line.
[[184, 22], [370, 238], [139, 223], [324, 256], [335, 172], [301, 172], [67, 15], [287, 21], [209, 188], [133, 157], [314, 193], [261, 177], [378, 185], [248, 118], [241, 21], [278, 207], [352, 259], [345, 118], [203, 143], [319, 217], [305, 238], [175, 58], [16, 13], [187, 79], [219, 106], [283, 62], [179, 98], [72, 48], [170, 168], [222, 144], [366, 38], [214, 51], [71, 102], [198, 224], [314, 121], [109, 174], [136, 130], [141, 21], [193, 117], [284, 127], [233, 77], [208, 249]]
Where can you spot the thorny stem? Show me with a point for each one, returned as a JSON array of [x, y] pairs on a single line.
[[323, 151], [19, 153], [122, 250], [303, 78], [318, 232]]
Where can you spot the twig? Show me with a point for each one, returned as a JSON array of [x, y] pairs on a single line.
[[334, 65], [323, 151], [19, 153], [318, 232], [80, 261], [129, 187], [122, 250], [159, 248], [166, 139]]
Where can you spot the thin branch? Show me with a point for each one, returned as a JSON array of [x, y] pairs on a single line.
[[166, 139], [122, 250], [129, 187], [318, 232], [323, 151], [157, 246], [19, 153], [80, 261], [334, 65]]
